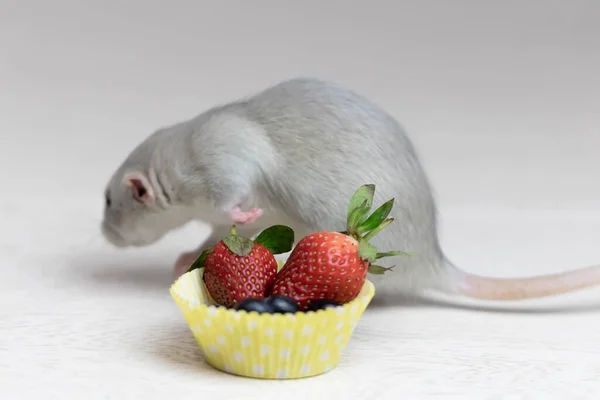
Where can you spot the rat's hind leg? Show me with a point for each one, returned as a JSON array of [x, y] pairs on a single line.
[[185, 260]]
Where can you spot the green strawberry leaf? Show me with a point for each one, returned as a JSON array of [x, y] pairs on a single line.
[[364, 193], [277, 238], [393, 253], [355, 217], [379, 228], [239, 245], [376, 218], [366, 251], [199, 263], [378, 269]]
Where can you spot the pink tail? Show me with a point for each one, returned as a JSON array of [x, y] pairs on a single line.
[[480, 287]]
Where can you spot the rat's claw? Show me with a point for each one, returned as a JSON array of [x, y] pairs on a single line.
[[245, 217]]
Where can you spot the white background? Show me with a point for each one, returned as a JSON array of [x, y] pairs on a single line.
[[501, 98]]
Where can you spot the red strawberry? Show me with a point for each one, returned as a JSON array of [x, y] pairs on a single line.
[[323, 265], [334, 265], [237, 268]]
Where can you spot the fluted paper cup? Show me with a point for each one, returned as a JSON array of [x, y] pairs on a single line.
[[267, 346]]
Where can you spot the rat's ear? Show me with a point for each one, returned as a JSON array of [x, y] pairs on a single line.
[[140, 187]]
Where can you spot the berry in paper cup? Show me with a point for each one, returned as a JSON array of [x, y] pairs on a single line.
[[267, 346]]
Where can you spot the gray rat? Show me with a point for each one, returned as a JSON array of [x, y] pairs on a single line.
[[294, 153]]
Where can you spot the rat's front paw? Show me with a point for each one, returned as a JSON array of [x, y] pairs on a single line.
[[245, 217]]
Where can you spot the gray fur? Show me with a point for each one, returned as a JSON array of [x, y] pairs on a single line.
[[298, 150]]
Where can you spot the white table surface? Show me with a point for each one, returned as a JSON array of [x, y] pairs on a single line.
[[81, 320], [500, 98]]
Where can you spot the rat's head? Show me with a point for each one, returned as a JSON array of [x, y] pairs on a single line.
[[138, 210]]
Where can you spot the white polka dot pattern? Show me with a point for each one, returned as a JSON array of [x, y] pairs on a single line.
[[267, 346]]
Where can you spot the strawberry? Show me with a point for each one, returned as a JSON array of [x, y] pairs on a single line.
[[237, 268], [334, 265]]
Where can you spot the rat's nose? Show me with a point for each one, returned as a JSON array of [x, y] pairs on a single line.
[[112, 235]]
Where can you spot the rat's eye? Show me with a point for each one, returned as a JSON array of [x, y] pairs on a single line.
[[107, 199]]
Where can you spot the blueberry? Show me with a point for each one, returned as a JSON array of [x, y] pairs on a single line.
[[322, 304], [282, 304], [251, 304]]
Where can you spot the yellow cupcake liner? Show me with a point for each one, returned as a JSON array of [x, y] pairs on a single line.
[[267, 346]]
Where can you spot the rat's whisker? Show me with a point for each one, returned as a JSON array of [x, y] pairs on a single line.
[[92, 241]]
